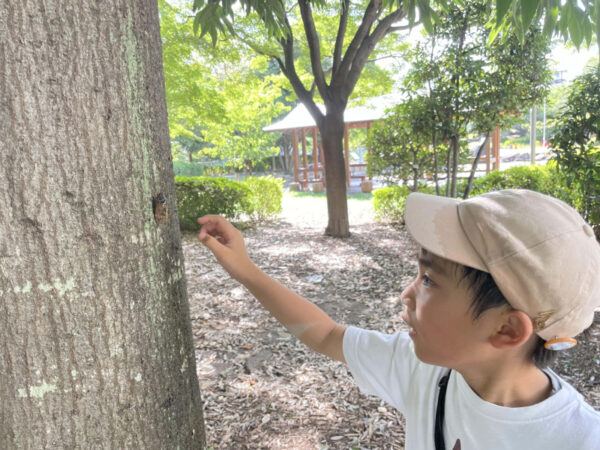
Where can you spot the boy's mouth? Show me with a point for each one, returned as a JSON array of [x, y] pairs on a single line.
[[411, 331]]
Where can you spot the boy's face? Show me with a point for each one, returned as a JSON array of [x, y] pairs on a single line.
[[437, 308]]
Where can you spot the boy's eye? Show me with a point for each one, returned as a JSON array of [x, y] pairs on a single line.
[[427, 281]]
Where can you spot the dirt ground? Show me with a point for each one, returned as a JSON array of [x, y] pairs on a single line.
[[262, 388]]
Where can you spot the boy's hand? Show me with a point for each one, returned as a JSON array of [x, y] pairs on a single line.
[[227, 244]]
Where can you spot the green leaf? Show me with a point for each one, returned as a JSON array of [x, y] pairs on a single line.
[[550, 20], [196, 23], [528, 9], [563, 23], [494, 32], [213, 36], [576, 26], [596, 16], [425, 14], [501, 10], [412, 12]]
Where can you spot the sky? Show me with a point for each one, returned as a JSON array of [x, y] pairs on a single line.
[[572, 61]]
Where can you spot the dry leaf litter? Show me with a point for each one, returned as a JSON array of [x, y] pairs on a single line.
[[261, 387]]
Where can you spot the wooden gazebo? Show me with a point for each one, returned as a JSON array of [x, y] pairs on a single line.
[[300, 123]]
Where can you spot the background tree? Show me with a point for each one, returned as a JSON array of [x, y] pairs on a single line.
[[335, 66], [473, 87], [575, 21], [576, 144], [218, 98], [399, 146], [95, 330], [336, 69]]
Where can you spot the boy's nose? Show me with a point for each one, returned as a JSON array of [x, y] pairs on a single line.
[[407, 296]]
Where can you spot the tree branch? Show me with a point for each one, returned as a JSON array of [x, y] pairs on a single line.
[[383, 57], [305, 96], [366, 47], [287, 45], [339, 40], [372, 12], [281, 65], [404, 27], [475, 163], [314, 84], [312, 38], [254, 47]]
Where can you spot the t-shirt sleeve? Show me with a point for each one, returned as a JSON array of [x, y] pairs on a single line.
[[381, 364]]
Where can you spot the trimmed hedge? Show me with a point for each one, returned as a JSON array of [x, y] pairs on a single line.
[[198, 196], [266, 201], [389, 202], [543, 179], [257, 198]]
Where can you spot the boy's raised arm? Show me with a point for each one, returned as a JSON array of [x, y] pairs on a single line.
[[302, 318]]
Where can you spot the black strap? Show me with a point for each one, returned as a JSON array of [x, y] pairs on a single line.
[[439, 413]]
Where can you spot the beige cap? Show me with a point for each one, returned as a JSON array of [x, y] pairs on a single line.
[[541, 253]]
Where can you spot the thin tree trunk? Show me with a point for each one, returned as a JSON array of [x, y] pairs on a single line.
[[454, 146], [415, 173], [435, 164], [95, 332], [448, 172], [332, 132], [288, 158], [474, 166]]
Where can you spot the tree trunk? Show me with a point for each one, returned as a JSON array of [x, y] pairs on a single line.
[[448, 171], [95, 332], [332, 132], [474, 165], [455, 153], [435, 164], [415, 171]]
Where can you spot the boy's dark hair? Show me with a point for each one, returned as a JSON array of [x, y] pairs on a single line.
[[486, 295]]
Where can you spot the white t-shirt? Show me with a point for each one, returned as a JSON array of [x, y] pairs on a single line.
[[386, 366]]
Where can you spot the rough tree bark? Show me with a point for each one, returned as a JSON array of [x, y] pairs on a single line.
[[332, 133], [95, 336]]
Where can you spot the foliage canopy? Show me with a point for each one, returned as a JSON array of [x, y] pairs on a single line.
[[576, 143]]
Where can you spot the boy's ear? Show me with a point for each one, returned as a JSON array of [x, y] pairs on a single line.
[[514, 329]]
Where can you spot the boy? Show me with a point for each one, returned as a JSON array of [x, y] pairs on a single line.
[[505, 279]]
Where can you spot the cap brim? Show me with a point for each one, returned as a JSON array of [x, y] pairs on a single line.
[[434, 223]]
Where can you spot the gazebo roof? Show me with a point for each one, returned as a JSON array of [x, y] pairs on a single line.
[[372, 109]]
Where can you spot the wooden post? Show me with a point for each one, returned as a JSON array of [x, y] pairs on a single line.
[[368, 149], [295, 156], [496, 148], [322, 158], [347, 155], [488, 156], [315, 153], [304, 160]]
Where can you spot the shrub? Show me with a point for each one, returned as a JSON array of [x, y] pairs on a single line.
[[267, 194], [546, 179], [399, 146], [577, 144], [199, 168], [536, 178], [388, 203], [197, 196]]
